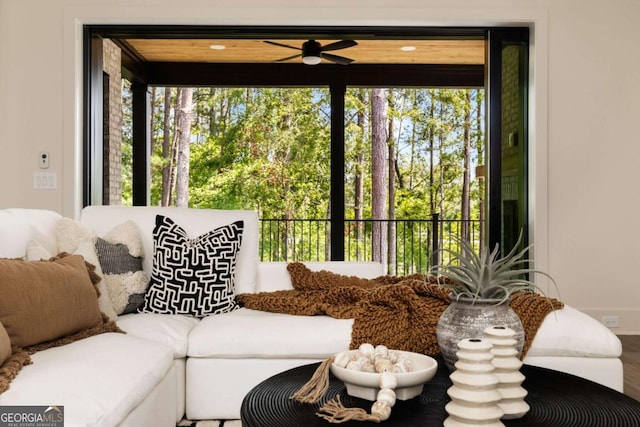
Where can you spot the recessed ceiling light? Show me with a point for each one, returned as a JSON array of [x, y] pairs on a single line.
[[407, 48], [218, 47]]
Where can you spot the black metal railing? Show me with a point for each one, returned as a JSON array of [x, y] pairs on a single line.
[[404, 246]]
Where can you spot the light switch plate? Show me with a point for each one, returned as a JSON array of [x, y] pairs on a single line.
[[45, 181]]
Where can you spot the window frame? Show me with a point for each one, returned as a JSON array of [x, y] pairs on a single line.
[[144, 74]]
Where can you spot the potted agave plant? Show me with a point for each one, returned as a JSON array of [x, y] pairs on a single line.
[[481, 287]]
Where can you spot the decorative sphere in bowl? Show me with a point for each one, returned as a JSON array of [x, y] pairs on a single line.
[[366, 385]]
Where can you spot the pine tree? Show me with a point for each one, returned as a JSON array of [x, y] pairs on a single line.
[[379, 172], [184, 141]]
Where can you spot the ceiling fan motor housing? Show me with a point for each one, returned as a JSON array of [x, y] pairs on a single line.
[[311, 48]]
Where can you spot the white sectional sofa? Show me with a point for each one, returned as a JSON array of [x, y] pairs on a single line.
[[170, 366]]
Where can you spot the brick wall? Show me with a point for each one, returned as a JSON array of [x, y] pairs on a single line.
[[112, 192], [511, 122]]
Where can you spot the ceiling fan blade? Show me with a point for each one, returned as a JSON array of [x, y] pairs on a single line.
[[288, 58], [342, 44], [281, 45], [337, 59]]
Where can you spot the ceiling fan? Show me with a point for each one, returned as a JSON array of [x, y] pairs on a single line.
[[313, 52]]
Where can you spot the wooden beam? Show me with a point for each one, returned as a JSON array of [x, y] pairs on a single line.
[[285, 32], [243, 75]]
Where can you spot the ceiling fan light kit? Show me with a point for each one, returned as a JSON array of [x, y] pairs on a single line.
[[311, 60]]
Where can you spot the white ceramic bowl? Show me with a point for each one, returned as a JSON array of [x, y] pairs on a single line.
[[365, 384]]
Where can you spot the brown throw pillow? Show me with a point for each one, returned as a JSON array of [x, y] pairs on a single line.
[[5, 345], [44, 300]]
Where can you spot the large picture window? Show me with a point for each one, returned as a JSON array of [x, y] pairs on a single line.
[[381, 159]]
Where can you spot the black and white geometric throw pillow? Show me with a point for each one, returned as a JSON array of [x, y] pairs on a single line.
[[193, 276]]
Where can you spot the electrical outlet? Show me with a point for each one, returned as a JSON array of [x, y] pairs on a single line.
[[611, 321]]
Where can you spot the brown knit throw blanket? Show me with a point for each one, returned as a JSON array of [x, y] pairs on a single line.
[[399, 312]]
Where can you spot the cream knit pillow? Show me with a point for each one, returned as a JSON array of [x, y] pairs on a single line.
[[5, 344], [119, 255]]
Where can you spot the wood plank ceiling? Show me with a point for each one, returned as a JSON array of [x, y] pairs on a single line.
[[463, 52]]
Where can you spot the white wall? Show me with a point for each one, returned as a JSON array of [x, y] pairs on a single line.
[[594, 155], [585, 150]]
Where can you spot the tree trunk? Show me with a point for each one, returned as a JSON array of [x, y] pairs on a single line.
[[283, 158], [432, 142], [480, 146], [212, 116], [167, 154], [441, 196], [415, 140], [391, 228], [359, 176], [184, 130], [378, 172], [431, 130], [466, 175], [152, 113]]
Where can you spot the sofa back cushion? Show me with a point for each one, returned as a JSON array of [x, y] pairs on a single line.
[[195, 222], [273, 276], [44, 300], [19, 226]]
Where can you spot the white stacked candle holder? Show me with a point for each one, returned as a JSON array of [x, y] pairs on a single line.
[[474, 393], [507, 369]]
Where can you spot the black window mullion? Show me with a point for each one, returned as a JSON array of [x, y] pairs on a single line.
[[337, 203]]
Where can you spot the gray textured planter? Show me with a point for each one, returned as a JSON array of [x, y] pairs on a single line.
[[467, 318]]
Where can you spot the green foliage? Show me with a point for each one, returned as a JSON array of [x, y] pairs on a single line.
[[272, 154], [268, 149], [485, 275]]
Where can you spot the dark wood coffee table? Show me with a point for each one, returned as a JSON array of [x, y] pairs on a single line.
[[556, 399]]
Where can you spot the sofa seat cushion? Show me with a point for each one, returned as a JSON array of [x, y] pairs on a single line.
[[98, 380], [171, 330], [572, 333], [248, 333]]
